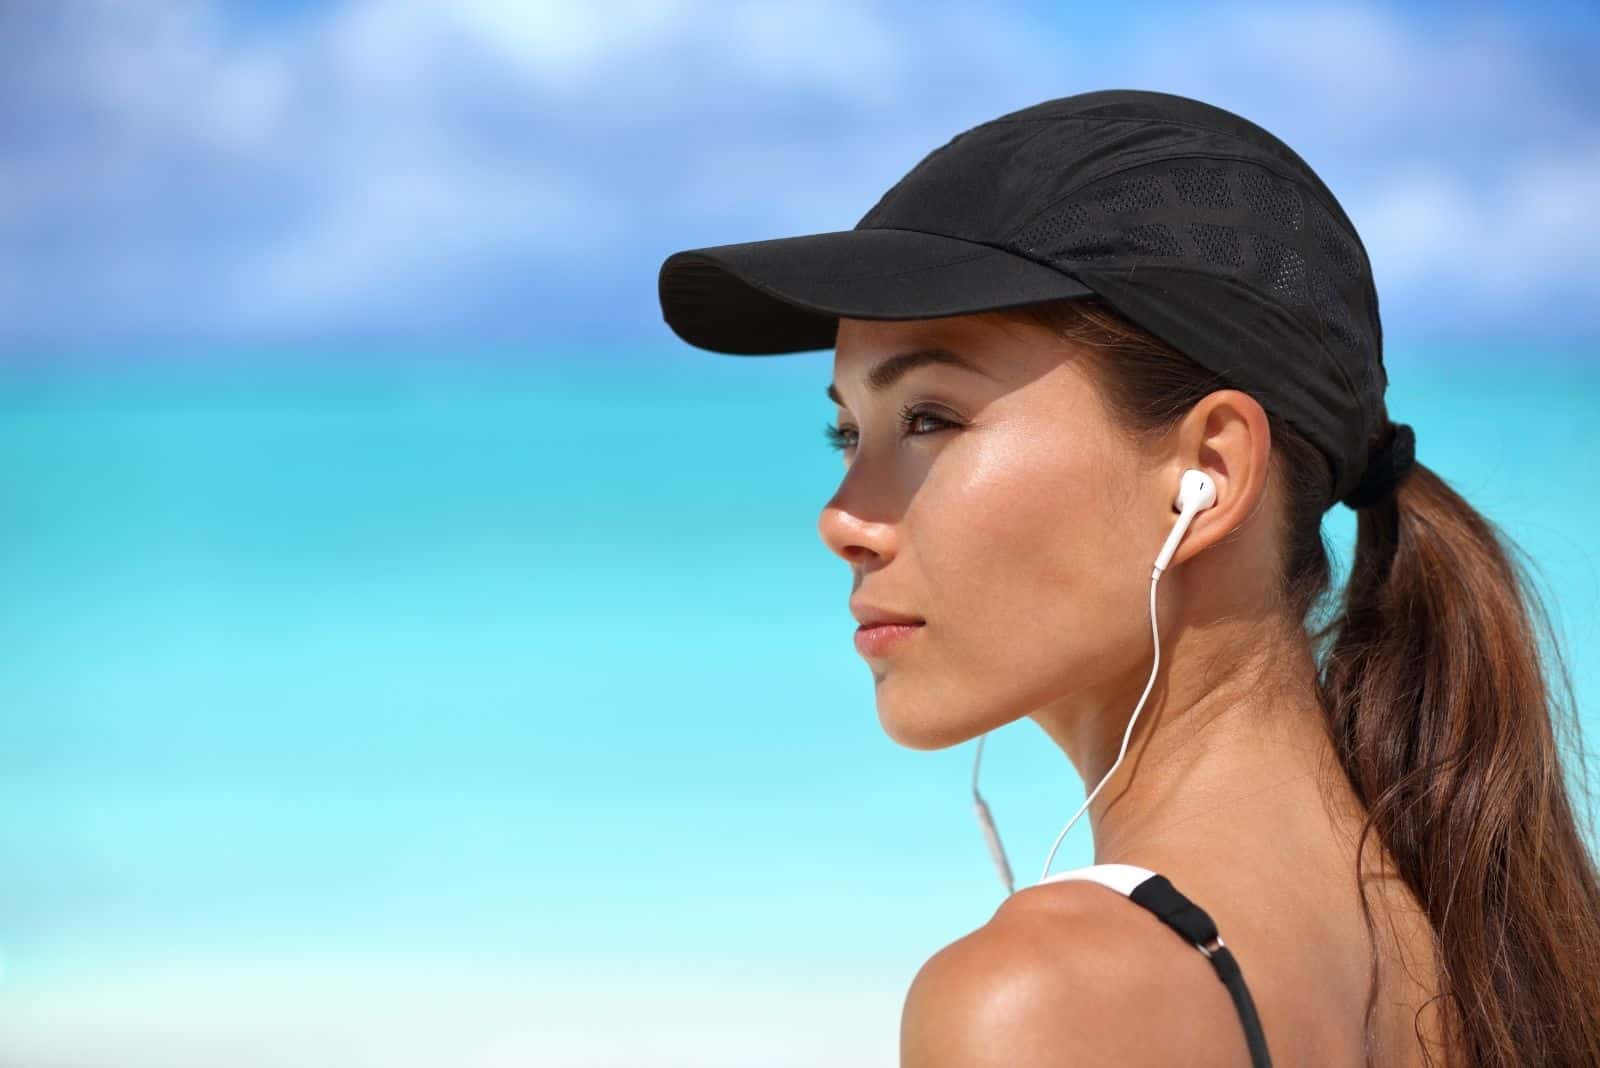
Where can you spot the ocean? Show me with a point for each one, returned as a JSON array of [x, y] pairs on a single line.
[[487, 709]]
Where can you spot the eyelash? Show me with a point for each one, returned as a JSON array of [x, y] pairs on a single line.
[[908, 417]]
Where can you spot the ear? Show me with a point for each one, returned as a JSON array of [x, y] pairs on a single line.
[[1226, 435]]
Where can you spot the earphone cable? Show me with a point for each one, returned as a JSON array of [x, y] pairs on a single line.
[[1155, 632]]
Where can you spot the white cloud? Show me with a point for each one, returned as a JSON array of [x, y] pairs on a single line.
[[561, 45], [1526, 233], [1416, 223], [345, 167]]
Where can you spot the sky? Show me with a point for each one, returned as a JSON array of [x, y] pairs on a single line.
[[193, 175]]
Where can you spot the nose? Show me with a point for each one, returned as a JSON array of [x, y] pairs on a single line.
[[855, 538]]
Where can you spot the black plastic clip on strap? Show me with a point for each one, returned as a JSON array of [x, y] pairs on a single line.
[[1197, 928]]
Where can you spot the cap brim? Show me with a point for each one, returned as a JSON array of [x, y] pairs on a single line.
[[787, 294]]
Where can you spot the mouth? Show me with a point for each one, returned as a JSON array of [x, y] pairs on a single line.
[[871, 615], [877, 640]]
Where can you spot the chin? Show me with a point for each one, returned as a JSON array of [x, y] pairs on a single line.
[[921, 733]]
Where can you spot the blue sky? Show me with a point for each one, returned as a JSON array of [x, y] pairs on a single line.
[[188, 174]]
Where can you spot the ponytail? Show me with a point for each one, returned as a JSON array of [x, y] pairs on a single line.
[[1433, 680]]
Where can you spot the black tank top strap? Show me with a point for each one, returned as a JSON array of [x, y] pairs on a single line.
[[1156, 893], [1197, 928]]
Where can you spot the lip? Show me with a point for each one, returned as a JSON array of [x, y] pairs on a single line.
[[869, 615], [881, 639]]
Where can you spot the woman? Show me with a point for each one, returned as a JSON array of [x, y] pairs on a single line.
[[1122, 335]]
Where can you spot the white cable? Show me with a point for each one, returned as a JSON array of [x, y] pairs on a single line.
[[1155, 577], [991, 834], [1196, 492]]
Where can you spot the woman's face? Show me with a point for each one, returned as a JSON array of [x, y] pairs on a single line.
[[1021, 528]]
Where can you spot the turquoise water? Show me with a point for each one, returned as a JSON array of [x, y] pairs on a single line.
[[384, 710]]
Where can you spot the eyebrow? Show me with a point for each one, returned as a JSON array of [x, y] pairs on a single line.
[[890, 371]]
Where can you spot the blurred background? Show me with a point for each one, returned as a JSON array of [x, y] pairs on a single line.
[[411, 653]]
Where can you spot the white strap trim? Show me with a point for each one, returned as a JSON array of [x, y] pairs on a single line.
[[1120, 877]]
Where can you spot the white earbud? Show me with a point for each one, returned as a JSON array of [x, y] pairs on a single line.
[[1196, 493]]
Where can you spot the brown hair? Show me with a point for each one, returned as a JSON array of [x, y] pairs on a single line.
[[1432, 682]]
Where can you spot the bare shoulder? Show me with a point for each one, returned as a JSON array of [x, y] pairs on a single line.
[[1069, 973]]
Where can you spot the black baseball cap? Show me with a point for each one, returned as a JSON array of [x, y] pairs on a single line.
[[1188, 220]]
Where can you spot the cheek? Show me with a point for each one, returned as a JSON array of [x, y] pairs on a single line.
[[1021, 544], [1032, 582]]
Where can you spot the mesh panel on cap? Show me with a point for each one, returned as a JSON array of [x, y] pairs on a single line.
[[1058, 226], [1336, 246], [1154, 240], [1234, 218], [1133, 194], [1282, 267], [1219, 244], [1271, 196], [1332, 308], [1093, 246], [1205, 187]]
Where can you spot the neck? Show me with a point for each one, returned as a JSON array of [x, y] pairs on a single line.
[[1227, 743]]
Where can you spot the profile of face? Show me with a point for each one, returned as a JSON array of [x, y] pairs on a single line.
[[999, 504]]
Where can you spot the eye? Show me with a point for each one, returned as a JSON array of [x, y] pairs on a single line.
[[842, 438]]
